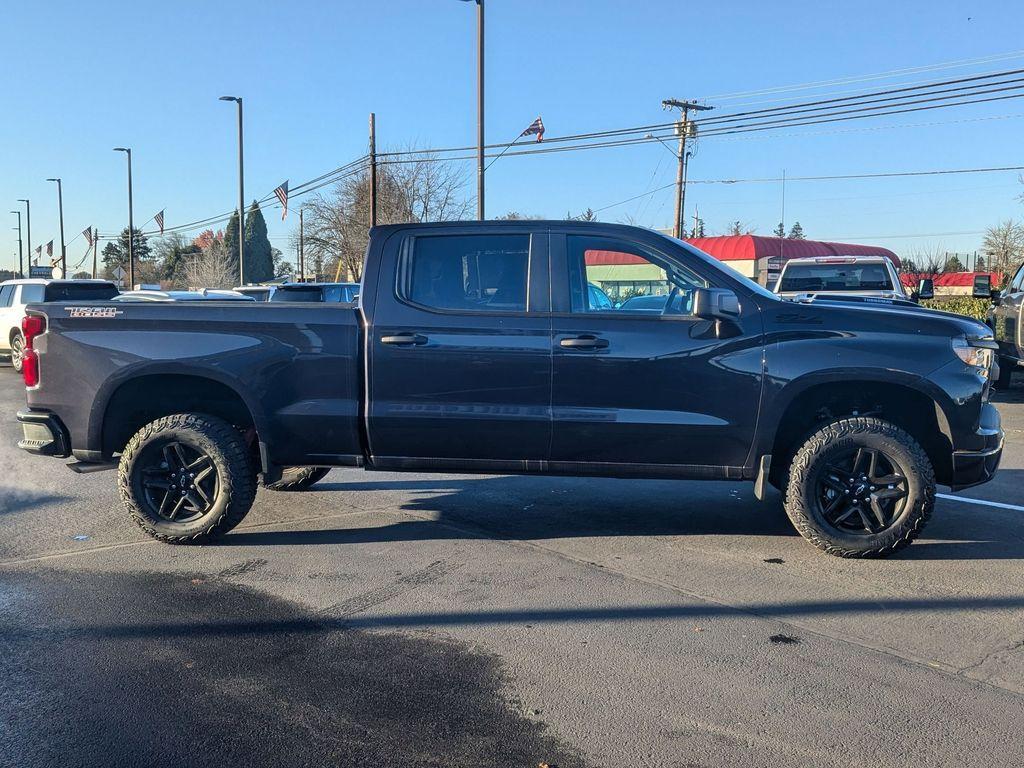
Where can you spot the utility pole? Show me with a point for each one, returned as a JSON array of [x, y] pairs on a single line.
[[131, 221], [241, 192], [696, 218], [684, 130], [479, 108], [28, 226], [302, 247], [373, 170], [20, 252], [63, 247], [95, 249]]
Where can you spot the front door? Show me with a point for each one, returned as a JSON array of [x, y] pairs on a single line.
[[1007, 317], [644, 382], [460, 351]]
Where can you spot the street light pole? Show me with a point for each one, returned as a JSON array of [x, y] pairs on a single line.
[[685, 129], [241, 192], [131, 219], [28, 226], [20, 252], [63, 247], [479, 108]]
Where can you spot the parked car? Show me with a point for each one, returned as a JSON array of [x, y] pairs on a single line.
[[15, 294], [475, 348], [873, 276], [258, 292], [1006, 319], [206, 294], [330, 293]]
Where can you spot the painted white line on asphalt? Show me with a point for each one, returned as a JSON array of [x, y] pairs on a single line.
[[984, 503]]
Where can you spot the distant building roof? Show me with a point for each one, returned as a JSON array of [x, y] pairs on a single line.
[[950, 279], [752, 247]]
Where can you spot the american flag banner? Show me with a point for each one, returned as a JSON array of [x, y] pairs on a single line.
[[39, 253], [282, 194], [159, 219], [49, 249], [536, 127], [88, 235]]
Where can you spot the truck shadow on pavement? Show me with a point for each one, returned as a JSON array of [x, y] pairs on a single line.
[[538, 508]]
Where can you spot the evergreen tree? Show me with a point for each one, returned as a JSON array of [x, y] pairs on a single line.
[[780, 231], [259, 259], [231, 240], [979, 263], [953, 264], [698, 228], [115, 252], [796, 232]]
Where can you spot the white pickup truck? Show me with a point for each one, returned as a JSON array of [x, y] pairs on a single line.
[[873, 276]]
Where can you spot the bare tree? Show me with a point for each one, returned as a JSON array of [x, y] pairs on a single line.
[[211, 268], [1004, 246], [928, 261], [426, 188]]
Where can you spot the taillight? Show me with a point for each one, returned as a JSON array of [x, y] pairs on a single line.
[[31, 326]]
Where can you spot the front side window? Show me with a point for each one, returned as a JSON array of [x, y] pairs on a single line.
[[1018, 280], [607, 275], [6, 295], [474, 273]]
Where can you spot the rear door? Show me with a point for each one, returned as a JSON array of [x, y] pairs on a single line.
[[651, 389], [10, 319], [459, 350]]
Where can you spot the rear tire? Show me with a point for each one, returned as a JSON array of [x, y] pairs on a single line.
[[860, 487], [1005, 380], [17, 352], [187, 478], [298, 478]]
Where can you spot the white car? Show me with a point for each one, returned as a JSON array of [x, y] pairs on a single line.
[[872, 276], [15, 294]]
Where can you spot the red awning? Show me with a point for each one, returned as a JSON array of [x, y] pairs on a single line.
[[950, 279], [752, 247]]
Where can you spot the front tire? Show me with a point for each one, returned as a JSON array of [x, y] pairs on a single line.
[[298, 478], [860, 487], [187, 478]]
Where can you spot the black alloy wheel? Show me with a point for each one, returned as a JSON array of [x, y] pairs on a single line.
[[862, 491], [179, 482]]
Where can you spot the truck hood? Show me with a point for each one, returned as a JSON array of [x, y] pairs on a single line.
[[902, 316]]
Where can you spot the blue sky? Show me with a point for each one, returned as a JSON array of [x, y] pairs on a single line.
[[82, 78]]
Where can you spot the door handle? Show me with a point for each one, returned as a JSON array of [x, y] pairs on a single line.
[[404, 339], [584, 342]]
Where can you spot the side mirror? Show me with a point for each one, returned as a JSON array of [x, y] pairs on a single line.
[[996, 295], [926, 288], [982, 287], [715, 304]]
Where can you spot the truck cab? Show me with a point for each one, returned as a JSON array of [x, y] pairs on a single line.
[[872, 276], [1006, 319]]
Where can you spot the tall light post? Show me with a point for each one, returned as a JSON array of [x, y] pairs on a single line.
[[131, 219], [20, 252], [28, 226], [63, 247], [479, 107], [241, 192]]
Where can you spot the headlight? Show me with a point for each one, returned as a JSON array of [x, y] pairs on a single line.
[[976, 357]]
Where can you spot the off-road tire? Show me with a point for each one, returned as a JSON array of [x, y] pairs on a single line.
[[17, 352], [872, 433], [298, 478], [236, 476]]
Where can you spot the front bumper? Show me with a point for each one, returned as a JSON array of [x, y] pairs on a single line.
[[44, 434], [978, 466]]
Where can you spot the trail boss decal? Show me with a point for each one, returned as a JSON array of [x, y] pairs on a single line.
[[93, 311]]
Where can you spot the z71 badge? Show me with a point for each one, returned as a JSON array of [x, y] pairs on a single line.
[[93, 311]]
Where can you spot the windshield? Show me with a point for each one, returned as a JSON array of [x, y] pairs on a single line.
[[835, 277]]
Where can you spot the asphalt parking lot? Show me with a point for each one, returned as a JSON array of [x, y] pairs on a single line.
[[390, 619]]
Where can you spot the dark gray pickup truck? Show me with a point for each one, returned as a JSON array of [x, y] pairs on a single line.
[[477, 347]]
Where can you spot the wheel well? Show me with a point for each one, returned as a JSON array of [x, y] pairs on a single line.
[[907, 408], [142, 400]]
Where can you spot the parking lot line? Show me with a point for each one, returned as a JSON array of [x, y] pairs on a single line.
[[999, 504]]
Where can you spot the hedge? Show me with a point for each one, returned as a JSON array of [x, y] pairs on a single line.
[[962, 305]]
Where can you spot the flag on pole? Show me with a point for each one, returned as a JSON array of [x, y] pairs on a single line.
[[88, 235], [159, 218], [282, 194], [536, 127], [49, 249]]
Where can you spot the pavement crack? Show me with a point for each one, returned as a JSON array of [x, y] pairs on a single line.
[[387, 592]]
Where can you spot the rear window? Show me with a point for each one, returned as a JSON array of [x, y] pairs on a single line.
[[482, 273], [835, 277], [76, 292], [307, 293]]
